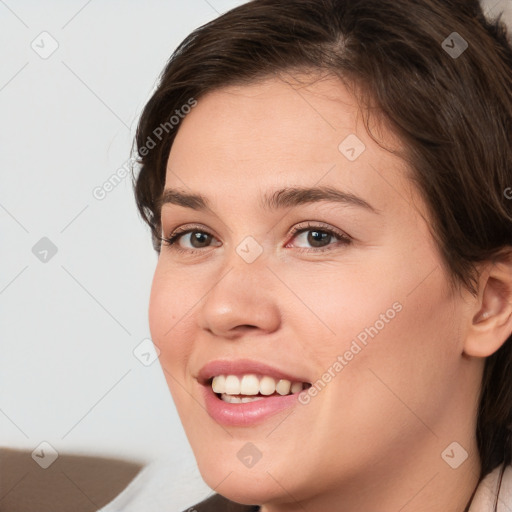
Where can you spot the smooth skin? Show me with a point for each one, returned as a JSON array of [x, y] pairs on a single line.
[[372, 438]]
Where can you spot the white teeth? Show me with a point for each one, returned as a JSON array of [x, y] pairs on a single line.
[[283, 386], [296, 387], [246, 399], [239, 400], [251, 385], [232, 385], [267, 386], [219, 384]]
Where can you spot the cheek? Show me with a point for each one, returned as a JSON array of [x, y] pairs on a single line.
[[168, 313], [392, 339], [399, 354], [169, 306], [337, 304]]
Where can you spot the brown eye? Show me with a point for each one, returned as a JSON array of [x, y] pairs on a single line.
[[319, 237], [199, 239]]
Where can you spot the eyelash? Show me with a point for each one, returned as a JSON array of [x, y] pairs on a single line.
[[177, 234]]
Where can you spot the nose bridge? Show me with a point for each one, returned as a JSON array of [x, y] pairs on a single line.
[[244, 270], [241, 295]]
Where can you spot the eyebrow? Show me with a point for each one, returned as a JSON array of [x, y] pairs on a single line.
[[283, 198]]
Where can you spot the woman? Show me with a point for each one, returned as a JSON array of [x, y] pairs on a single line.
[[328, 187]]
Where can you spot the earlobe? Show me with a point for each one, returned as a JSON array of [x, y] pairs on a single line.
[[491, 324]]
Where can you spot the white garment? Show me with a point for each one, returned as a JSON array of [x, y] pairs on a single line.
[[156, 488], [485, 495]]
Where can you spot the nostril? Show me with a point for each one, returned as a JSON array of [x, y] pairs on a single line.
[[246, 327]]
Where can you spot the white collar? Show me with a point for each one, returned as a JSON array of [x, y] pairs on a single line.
[[485, 495]]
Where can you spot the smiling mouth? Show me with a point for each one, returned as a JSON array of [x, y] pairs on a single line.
[[237, 389]]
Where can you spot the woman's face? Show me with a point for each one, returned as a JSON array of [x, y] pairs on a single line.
[[355, 304]]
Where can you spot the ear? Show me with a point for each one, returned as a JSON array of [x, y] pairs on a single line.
[[492, 313]]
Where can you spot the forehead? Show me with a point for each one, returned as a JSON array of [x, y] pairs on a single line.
[[287, 118], [277, 133]]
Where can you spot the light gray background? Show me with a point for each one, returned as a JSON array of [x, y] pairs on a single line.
[[69, 325]]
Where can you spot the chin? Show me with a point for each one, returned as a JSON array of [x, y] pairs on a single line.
[[245, 486]]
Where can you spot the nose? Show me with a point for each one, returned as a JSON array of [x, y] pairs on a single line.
[[244, 298]]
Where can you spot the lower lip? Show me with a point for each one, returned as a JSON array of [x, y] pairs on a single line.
[[245, 414]]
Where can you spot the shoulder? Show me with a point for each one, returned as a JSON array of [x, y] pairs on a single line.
[[218, 503]]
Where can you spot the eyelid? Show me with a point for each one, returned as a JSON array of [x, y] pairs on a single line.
[[320, 226]]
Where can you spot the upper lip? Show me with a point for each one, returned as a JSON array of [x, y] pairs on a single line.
[[243, 367]]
